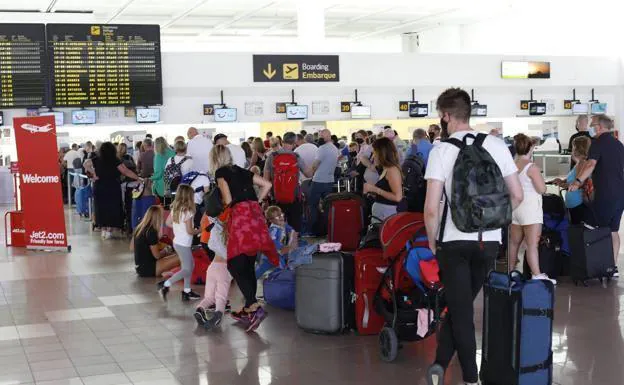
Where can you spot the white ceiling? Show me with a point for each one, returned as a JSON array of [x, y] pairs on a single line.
[[202, 20]]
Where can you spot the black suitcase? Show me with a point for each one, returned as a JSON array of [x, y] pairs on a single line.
[[325, 294], [550, 257], [591, 253]]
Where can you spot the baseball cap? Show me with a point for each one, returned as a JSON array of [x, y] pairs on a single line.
[[219, 136]]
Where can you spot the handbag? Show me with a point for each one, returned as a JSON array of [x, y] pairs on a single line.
[[213, 204]]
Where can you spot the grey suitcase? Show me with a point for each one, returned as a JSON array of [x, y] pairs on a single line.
[[324, 294]]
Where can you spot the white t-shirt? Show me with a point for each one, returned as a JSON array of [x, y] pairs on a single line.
[[180, 235], [307, 152], [200, 181], [199, 148], [440, 167], [216, 242], [238, 155], [186, 167], [70, 156]]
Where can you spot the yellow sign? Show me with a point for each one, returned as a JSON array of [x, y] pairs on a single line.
[[269, 72], [96, 30], [345, 106], [291, 71], [403, 106], [567, 104]]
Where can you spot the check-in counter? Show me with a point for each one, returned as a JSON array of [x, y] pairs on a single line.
[[553, 164]]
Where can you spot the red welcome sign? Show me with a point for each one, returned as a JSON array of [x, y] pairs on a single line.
[[40, 182]]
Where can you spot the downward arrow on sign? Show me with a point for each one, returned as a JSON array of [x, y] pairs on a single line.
[[269, 72]]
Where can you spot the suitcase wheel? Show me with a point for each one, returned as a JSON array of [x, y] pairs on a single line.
[[388, 344]]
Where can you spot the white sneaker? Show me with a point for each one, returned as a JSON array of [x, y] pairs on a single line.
[[545, 277]]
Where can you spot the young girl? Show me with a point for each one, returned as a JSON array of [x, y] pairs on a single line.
[[149, 259], [218, 279], [181, 220]]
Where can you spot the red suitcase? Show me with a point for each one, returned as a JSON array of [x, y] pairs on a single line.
[[345, 219], [369, 269]]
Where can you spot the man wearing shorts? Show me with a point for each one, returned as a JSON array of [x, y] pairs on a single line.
[[606, 167]]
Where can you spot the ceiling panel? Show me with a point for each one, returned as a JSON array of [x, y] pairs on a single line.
[[203, 19]]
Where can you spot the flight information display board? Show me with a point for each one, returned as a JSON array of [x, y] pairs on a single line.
[[23, 71], [104, 65]]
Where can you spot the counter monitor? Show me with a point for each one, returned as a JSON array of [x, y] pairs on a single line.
[[83, 117], [296, 112]]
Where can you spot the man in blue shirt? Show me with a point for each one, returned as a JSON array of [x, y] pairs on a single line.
[[606, 168], [420, 145]]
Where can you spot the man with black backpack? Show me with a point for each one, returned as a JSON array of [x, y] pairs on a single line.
[[282, 170], [477, 179]]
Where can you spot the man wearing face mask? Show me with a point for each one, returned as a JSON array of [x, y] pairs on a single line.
[[581, 130], [605, 165], [324, 167], [464, 258], [435, 133]]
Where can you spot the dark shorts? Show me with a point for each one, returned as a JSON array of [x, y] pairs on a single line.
[[608, 213]]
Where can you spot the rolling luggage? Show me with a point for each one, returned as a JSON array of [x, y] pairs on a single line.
[[517, 330], [139, 208], [550, 255], [82, 196], [592, 253], [324, 292], [345, 219], [279, 289], [369, 269]]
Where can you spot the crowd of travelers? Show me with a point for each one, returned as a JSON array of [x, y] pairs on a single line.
[[271, 191]]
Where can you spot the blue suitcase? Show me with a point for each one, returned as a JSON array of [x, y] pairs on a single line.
[[139, 208], [279, 289], [517, 330], [81, 196]]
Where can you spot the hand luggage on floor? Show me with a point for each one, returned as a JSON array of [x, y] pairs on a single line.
[[139, 208], [323, 295], [82, 196], [592, 253], [369, 269], [279, 289], [345, 219], [517, 331], [550, 256]]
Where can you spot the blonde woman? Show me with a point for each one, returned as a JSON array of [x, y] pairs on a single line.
[[162, 155], [246, 228], [181, 220], [258, 158], [150, 259]]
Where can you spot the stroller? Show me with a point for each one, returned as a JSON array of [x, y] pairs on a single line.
[[410, 296]]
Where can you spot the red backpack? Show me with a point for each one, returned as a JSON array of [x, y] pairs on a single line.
[[285, 177]]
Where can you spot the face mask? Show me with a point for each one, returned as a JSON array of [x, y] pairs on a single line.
[[321, 141], [359, 140], [431, 136], [444, 127], [353, 154], [592, 131]]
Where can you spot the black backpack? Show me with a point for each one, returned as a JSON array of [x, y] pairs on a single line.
[[479, 197], [414, 185]]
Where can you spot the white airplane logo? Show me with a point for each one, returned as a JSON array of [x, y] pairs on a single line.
[[34, 129]]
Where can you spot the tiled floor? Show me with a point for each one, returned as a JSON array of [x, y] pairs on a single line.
[[84, 318]]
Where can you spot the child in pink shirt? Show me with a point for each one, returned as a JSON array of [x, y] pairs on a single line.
[[218, 280]]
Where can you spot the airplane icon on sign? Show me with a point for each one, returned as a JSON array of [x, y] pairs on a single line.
[[34, 129]]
